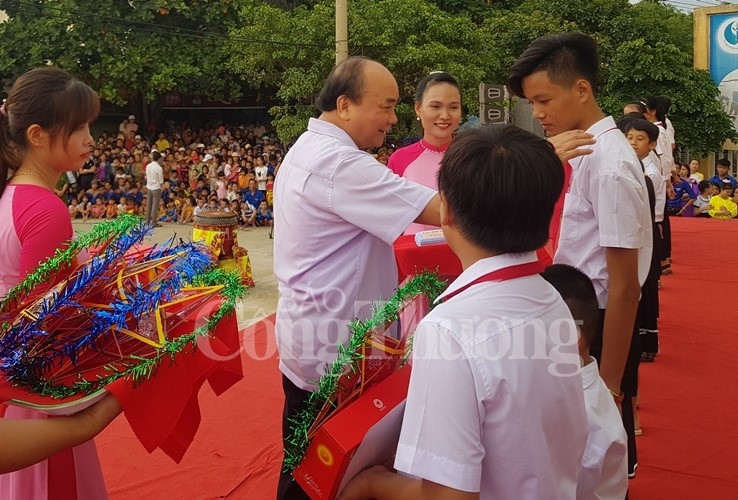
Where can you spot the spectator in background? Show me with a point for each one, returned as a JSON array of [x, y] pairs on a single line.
[[111, 211], [723, 167], [97, 210], [261, 172], [684, 195], [252, 199], [694, 167], [264, 215], [162, 144], [702, 202], [131, 126], [270, 190], [154, 181], [723, 206], [87, 173]]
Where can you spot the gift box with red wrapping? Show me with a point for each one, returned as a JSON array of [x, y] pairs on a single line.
[[362, 434]]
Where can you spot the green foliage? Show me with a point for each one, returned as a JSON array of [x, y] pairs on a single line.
[[639, 69], [135, 52], [591, 16], [421, 38], [507, 34], [646, 49], [130, 52]]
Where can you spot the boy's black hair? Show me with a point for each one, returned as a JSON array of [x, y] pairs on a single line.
[[716, 185], [641, 125], [578, 292], [703, 185], [723, 162], [624, 122], [565, 57], [501, 183]]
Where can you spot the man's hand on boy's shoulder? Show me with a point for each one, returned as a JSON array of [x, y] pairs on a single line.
[[569, 144]]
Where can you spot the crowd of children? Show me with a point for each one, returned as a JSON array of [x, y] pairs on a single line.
[[694, 196], [227, 169]]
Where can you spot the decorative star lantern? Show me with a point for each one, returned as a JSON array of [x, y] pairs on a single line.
[[105, 308]]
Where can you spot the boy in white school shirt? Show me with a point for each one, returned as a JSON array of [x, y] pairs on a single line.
[[604, 470], [606, 222], [495, 407]]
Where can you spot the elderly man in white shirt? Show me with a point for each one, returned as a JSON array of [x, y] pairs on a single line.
[[337, 213]]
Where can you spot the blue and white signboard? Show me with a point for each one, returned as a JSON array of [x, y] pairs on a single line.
[[724, 60]]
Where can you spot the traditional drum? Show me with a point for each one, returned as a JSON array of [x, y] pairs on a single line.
[[219, 231]]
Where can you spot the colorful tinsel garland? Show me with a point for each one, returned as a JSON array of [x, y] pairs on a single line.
[[348, 358], [189, 266]]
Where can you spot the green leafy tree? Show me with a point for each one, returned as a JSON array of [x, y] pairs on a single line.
[[132, 52], [136, 51], [477, 10], [292, 66], [505, 35], [419, 39], [645, 49], [639, 69]]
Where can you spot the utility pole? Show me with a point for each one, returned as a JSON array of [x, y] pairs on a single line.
[[341, 30]]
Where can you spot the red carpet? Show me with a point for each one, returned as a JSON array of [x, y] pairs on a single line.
[[689, 407]]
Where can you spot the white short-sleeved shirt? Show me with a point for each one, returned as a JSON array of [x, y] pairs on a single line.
[[652, 168], [495, 403], [664, 151], [261, 177], [606, 206], [337, 213], [604, 472], [672, 133], [154, 176]]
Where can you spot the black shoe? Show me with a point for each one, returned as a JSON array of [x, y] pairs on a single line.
[[648, 357]]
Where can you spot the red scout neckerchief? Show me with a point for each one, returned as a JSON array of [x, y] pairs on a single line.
[[504, 274]]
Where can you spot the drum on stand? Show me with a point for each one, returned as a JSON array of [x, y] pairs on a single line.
[[219, 231]]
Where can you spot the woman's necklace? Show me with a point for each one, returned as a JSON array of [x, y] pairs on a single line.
[[433, 149], [34, 174]]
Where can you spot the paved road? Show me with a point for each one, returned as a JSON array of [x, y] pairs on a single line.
[[262, 299]]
